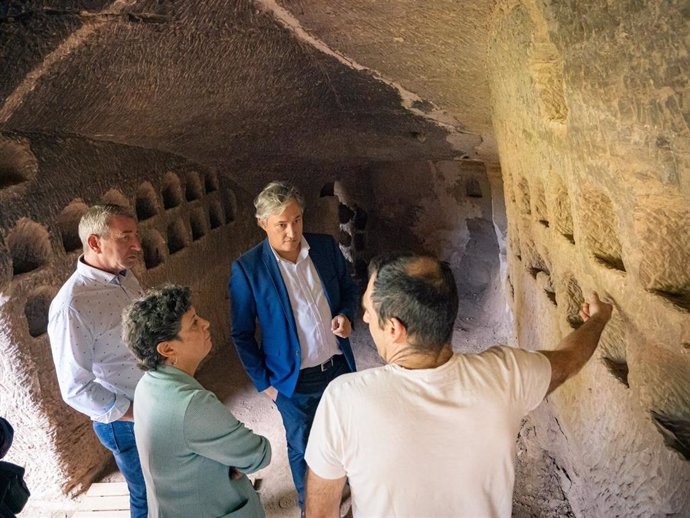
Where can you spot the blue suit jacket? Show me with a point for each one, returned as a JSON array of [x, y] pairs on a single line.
[[257, 292]]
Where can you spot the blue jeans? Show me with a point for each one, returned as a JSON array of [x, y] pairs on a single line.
[[298, 415], [118, 437]]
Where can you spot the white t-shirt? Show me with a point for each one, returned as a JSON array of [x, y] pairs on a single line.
[[432, 442]]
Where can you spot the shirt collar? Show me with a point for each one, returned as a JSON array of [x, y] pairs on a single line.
[[99, 275], [303, 253]]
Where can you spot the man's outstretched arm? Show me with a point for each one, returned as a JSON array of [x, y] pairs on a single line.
[[323, 496], [577, 347]]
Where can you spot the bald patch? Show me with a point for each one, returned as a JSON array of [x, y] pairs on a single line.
[[423, 267]]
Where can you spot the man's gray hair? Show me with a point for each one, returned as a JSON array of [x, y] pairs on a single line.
[[96, 220], [154, 318], [275, 197]]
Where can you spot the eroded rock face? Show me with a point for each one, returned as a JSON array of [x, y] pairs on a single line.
[[398, 113], [593, 149]]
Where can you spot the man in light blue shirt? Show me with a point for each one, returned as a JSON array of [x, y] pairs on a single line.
[[96, 371]]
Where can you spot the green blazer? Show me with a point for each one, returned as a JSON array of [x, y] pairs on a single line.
[[187, 440]]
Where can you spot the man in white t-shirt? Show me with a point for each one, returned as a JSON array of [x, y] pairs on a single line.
[[432, 433]]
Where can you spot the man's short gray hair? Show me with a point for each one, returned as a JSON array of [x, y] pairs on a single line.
[[275, 197], [96, 220], [154, 318]]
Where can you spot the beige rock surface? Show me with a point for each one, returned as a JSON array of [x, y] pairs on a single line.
[[569, 118]]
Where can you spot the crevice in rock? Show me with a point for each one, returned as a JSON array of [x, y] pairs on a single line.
[[171, 191], [619, 369], [680, 298], [473, 189], [177, 236], [146, 201], [230, 201], [344, 238], [210, 182], [601, 230], [524, 203], [153, 246], [345, 213], [29, 245], [197, 221], [551, 294], [540, 207], [36, 310], [360, 218], [328, 189], [573, 300], [17, 163], [676, 432], [562, 213], [193, 189], [68, 223], [215, 214]]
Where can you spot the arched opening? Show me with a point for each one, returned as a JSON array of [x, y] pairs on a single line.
[[36, 310], [29, 245], [146, 201], [68, 223], [171, 191]]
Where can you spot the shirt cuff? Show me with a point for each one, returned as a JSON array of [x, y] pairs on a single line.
[[116, 410]]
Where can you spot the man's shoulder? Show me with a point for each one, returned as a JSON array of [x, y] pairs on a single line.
[[75, 288], [506, 358], [318, 239], [252, 255], [361, 381]]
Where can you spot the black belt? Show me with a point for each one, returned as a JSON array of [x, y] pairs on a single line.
[[328, 364]]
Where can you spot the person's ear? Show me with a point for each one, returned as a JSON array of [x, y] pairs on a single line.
[[94, 242], [396, 330], [166, 349], [262, 223]]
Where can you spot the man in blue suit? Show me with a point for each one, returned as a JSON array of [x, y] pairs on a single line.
[[298, 288]]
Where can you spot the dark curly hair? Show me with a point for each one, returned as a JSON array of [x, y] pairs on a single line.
[[154, 318]]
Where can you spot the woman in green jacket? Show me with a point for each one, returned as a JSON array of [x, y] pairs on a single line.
[[194, 453]]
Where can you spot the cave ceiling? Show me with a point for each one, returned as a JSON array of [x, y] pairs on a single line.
[[231, 84]]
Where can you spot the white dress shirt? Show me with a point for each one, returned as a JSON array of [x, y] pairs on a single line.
[[96, 371], [309, 307]]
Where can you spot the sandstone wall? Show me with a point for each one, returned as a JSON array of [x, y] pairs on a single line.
[[445, 208], [591, 119], [189, 224]]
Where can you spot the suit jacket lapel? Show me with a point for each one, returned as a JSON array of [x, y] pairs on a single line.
[[277, 280]]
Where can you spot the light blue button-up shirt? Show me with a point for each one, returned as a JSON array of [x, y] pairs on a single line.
[[96, 371]]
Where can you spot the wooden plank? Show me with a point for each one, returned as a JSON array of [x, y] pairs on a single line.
[[102, 514], [108, 489], [105, 503]]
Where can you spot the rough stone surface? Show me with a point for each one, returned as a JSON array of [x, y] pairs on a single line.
[[401, 111], [593, 146]]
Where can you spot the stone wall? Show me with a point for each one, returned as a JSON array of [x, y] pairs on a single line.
[[188, 222], [591, 119], [444, 208]]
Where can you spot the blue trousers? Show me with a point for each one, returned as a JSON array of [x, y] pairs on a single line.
[[298, 415], [118, 437]]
